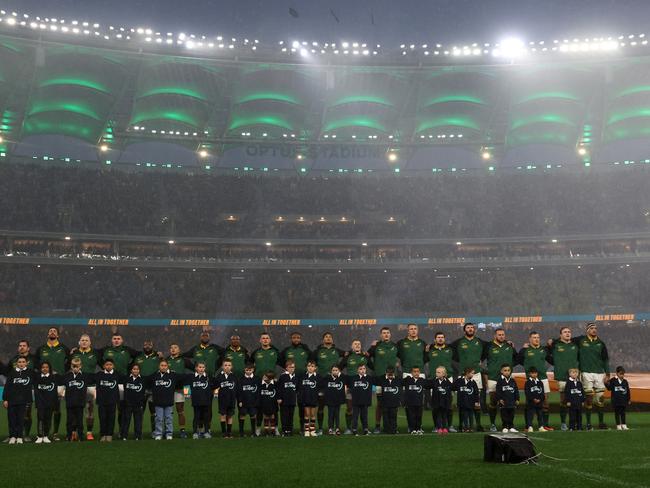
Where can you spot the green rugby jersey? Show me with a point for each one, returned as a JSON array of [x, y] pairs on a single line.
[[497, 355], [534, 356], [383, 355], [56, 354], [411, 353], [89, 359], [564, 356], [237, 357], [265, 360], [209, 355], [352, 361], [299, 354], [326, 357], [148, 363], [593, 355], [177, 364], [121, 357], [440, 356], [468, 353]]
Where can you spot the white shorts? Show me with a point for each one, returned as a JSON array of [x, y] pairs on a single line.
[[478, 378], [91, 393], [561, 385], [120, 388], [61, 391], [592, 381], [492, 386], [179, 397], [378, 390]]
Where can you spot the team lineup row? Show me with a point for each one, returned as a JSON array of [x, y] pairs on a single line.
[[587, 353]]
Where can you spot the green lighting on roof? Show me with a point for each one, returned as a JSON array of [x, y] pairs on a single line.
[[362, 99], [354, 122], [173, 90], [465, 122], [630, 133], [163, 114], [633, 90], [541, 119], [453, 98], [546, 95], [532, 138], [61, 106], [272, 120], [62, 81], [629, 114], [82, 131], [274, 96]]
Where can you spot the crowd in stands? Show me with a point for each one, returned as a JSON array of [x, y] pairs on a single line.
[[190, 253], [58, 199], [47, 290], [112, 201]]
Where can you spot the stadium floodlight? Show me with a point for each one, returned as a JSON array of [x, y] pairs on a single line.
[[510, 48], [554, 241], [171, 242], [392, 156], [1, 140], [582, 151], [268, 244], [103, 148], [300, 157], [486, 155], [67, 238], [203, 153], [364, 244], [458, 243]]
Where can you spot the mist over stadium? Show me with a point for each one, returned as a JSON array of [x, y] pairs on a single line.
[[242, 169]]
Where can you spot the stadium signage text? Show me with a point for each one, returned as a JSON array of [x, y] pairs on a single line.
[[14, 320], [315, 152], [189, 323], [615, 317], [282, 322], [358, 322], [445, 320], [108, 322], [481, 321], [523, 319]]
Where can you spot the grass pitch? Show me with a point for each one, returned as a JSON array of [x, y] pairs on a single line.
[[575, 459]]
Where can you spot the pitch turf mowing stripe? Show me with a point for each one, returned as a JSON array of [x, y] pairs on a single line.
[[594, 477]]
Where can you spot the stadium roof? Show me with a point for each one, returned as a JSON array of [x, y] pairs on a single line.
[[115, 100]]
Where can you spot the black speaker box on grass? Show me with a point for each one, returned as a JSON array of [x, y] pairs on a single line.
[[508, 448]]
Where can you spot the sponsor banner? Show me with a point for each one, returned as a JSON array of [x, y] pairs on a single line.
[[480, 321]]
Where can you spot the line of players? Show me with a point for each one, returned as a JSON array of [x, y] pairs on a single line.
[[486, 359]]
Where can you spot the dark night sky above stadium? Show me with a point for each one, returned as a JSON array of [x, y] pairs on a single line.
[[374, 21]]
